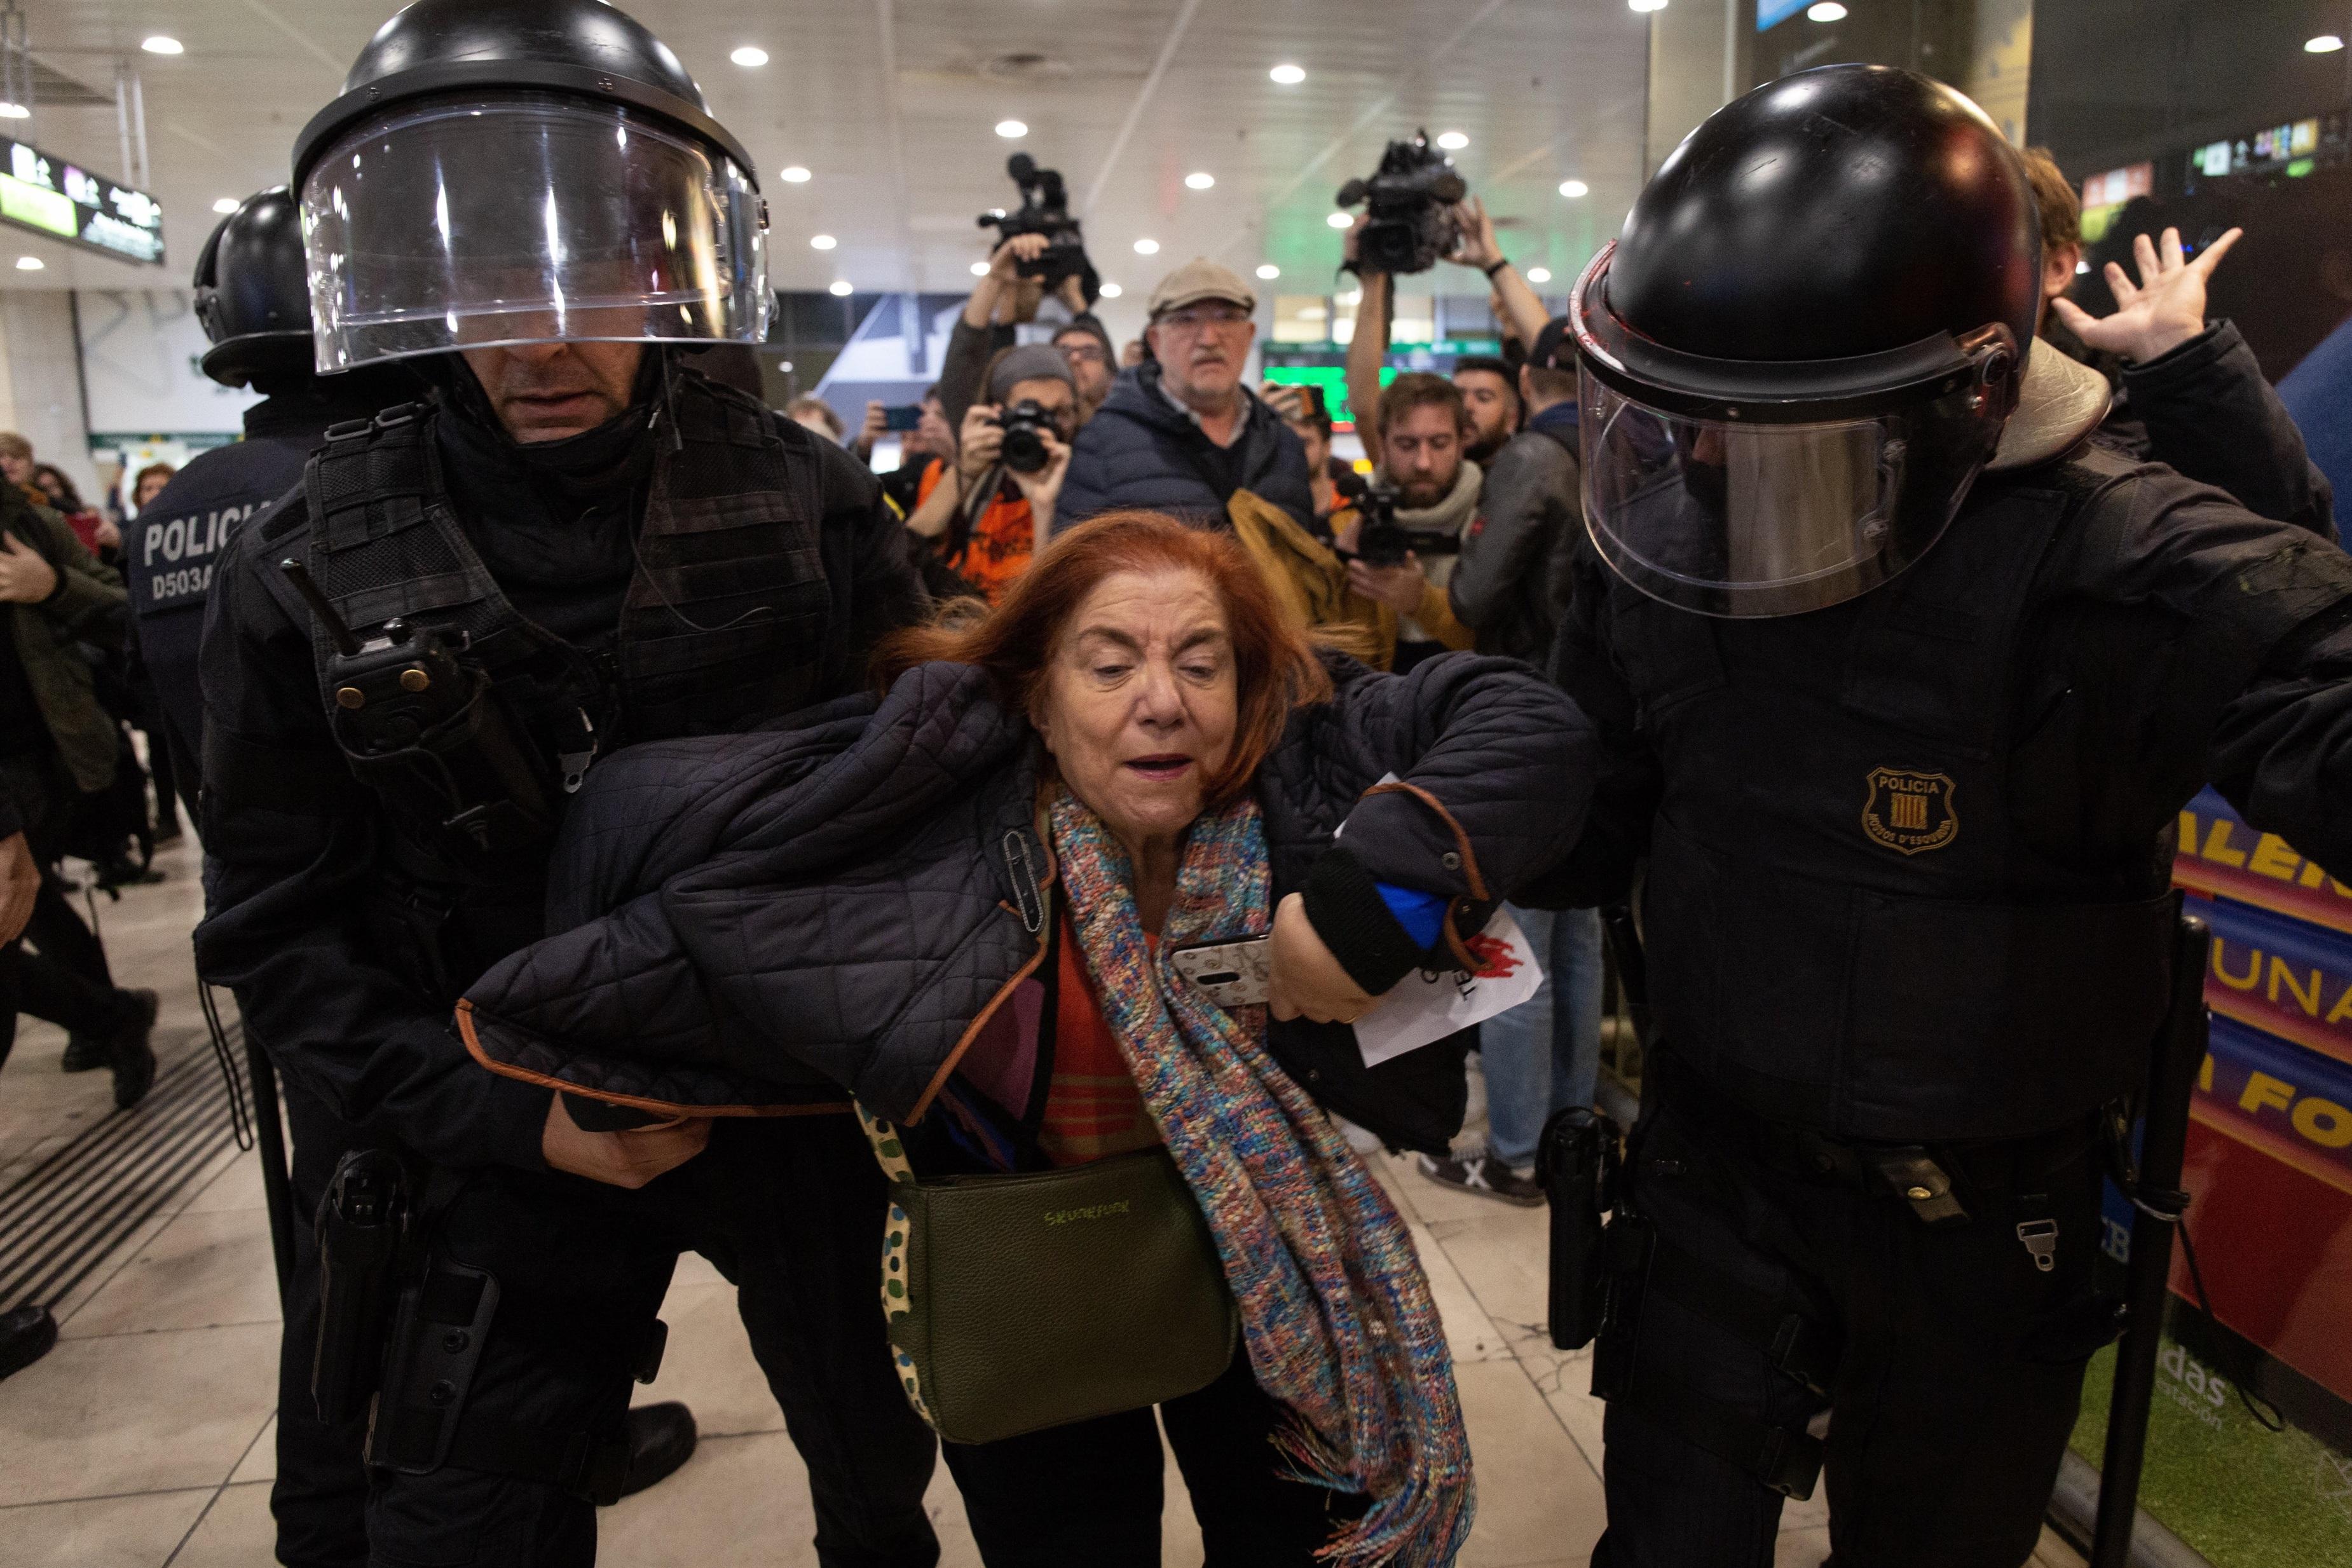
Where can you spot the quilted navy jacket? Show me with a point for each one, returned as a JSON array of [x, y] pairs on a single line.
[[751, 923], [1140, 450]]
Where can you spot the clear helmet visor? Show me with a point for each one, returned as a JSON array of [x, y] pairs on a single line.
[[1733, 518], [534, 218]]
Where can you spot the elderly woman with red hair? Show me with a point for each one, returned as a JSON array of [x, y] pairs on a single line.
[[958, 902]]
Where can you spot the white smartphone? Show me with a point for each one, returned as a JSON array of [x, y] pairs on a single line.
[[1230, 974]]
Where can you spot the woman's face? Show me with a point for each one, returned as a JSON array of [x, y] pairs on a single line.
[[149, 489], [1139, 701]]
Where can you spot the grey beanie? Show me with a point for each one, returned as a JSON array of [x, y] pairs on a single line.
[[1029, 362]]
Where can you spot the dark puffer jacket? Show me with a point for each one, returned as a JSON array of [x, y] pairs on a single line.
[[1141, 450], [749, 921]]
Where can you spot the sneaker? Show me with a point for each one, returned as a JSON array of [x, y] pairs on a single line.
[[134, 1063], [1485, 1175], [86, 1053]]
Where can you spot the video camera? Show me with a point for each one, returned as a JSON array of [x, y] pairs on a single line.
[[1045, 210], [1406, 200]]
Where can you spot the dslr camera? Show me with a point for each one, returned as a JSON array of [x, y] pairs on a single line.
[[1045, 210], [1024, 426], [1381, 540], [1406, 200]]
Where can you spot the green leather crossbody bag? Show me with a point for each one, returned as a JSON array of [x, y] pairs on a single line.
[[1022, 1301]]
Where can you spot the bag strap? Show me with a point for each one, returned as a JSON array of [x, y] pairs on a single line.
[[889, 1153]]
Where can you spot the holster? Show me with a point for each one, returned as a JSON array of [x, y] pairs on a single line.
[[1576, 1165], [436, 1343], [362, 1229]]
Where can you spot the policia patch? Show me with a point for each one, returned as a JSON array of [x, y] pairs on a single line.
[[1909, 812]]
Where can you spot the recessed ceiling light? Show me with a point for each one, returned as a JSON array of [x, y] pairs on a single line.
[[1112, 291], [841, 288], [1827, 11], [1353, 297], [2325, 44], [822, 242], [14, 112], [980, 269], [163, 43], [1540, 275], [1011, 129], [1288, 75], [796, 176], [1199, 180], [1147, 248], [1572, 189], [750, 54], [1268, 271], [1340, 220], [226, 206], [1453, 141], [30, 264], [1645, 5]]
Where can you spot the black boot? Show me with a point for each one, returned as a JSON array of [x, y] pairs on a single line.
[[26, 1334], [661, 1439], [85, 1053], [134, 1063]]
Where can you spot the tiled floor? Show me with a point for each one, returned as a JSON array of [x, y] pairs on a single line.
[[144, 1439]]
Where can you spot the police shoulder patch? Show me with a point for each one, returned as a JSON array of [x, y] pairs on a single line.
[[1909, 811]]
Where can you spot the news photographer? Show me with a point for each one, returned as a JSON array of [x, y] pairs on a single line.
[[1418, 211], [1040, 252], [1401, 551], [985, 512]]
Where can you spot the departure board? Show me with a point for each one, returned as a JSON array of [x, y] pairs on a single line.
[[51, 196]]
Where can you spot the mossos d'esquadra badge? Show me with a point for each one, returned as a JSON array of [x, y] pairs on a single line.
[[1909, 812]]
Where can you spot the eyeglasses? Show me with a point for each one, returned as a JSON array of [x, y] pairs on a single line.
[[1077, 354], [1194, 319]]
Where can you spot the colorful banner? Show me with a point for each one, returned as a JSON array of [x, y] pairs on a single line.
[[2220, 856], [2285, 976], [2292, 1105]]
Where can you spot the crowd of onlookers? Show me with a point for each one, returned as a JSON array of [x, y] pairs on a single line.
[[75, 784]]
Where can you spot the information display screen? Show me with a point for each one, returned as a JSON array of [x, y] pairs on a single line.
[[51, 196]]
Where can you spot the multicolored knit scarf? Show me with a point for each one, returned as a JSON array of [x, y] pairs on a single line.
[[1335, 1310]]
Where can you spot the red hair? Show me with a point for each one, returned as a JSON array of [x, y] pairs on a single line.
[[1275, 666]]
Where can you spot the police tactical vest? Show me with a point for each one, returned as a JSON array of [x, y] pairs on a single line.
[[726, 618], [1845, 929]]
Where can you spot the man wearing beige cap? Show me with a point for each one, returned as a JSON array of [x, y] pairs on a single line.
[[1181, 433]]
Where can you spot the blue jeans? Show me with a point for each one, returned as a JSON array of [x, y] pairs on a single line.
[[1544, 1055]]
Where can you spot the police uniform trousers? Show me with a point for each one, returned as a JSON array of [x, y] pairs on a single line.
[[791, 1210], [1949, 1363]]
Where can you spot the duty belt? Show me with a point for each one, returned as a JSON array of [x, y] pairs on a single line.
[[1921, 1175]]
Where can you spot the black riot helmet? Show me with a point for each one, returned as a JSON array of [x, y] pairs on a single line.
[[525, 171], [1801, 350], [253, 295]]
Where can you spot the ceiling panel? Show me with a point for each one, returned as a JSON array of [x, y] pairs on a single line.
[[892, 103]]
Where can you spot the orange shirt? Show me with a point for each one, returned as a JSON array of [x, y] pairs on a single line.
[[1093, 1109], [1001, 544]]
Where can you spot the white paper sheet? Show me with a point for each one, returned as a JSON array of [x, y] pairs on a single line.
[[1429, 1005]]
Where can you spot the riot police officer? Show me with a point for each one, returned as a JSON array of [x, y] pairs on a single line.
[[253, 299], [574, 543], [1900, 682]]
